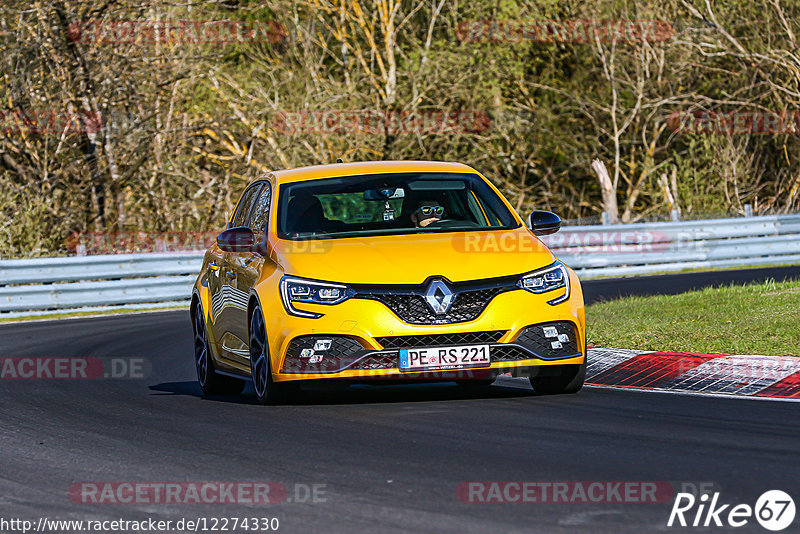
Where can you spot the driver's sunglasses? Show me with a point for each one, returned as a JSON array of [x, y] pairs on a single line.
[[427, 210]]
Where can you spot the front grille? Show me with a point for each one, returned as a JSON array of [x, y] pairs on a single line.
[[377, 361], [509, 353], [533, 338], [435, 340], [412, 308]]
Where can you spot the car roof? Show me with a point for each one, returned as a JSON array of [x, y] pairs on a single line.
[[334, 170]]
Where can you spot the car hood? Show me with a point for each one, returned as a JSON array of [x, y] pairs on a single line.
[[411, 259]]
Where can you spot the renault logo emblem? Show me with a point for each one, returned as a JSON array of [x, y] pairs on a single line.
[[439, 297]]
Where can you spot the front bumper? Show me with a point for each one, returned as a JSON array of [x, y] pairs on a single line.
[[361, 339], [322, 354]]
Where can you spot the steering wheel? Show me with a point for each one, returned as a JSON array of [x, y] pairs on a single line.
[[451, 223]]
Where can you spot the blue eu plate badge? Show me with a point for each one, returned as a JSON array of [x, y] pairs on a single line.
[[404, 358]]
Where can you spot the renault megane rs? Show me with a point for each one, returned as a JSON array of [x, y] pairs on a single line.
[[384, 271]]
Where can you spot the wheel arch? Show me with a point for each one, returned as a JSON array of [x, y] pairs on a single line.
[[272, 350], [252, 302], [194, 302], [201, 295]]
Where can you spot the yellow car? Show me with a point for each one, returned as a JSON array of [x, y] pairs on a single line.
[[384, 271]]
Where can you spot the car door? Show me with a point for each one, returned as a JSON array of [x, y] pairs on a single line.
[[232, 299], [214, 280], [248, 265]]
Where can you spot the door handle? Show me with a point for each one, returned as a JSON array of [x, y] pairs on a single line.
[[213, 266]]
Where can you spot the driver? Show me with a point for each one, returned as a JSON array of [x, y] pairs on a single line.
[[428, 212]]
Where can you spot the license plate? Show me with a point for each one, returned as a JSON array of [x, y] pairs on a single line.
[[458, 357]]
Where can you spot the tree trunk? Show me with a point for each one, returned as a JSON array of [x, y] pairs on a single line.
[[607, 189]]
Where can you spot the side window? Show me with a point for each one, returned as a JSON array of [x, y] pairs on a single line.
[[243, 210], [258, 221]]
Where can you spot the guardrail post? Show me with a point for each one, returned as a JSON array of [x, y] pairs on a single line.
[[675, 215], [748, 210], [606, 218]]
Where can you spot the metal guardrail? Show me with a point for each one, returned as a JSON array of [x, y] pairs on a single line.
[[105, 267], [593, 251], [107, 280], [616, 250]]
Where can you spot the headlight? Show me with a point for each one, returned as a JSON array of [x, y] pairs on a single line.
[[300, 290], [548, 279]]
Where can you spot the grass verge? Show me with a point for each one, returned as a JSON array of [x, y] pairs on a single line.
[[760, 318]]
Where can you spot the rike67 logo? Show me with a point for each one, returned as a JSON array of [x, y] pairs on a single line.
[[774, 510]]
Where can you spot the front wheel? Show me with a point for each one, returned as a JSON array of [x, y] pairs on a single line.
[[210, 382], [569, 379], [267, 390]]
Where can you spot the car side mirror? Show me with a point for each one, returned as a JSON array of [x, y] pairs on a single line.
[[264, 248], [544, 223], [239, 239]]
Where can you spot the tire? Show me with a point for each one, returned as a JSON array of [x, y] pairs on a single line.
[[210, 382], [267, 390], [569, 380]]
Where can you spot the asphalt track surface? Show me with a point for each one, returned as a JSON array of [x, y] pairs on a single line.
[[390, 457], [672, 284]]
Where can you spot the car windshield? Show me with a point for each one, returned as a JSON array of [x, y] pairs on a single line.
[[385, 204]]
